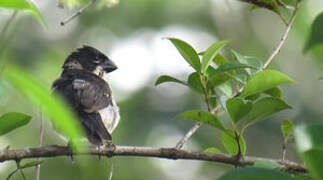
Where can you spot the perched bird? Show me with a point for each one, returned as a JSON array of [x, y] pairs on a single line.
[[83, 86]]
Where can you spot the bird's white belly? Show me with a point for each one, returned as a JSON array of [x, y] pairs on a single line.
[[110, 116]]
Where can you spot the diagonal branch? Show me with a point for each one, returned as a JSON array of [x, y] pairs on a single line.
[[167, 153]]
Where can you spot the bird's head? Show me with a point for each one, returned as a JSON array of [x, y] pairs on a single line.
[[89, 59]]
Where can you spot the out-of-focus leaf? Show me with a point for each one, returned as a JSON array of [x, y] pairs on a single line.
[[210, 54], [266, 164], [263, 81], [194, 81], [265, 107], [31, 164], [165, 78], [316, 36], [274, 92], [204, 117], [230, 143], [254, 173], [213, 150], [231, 65], [287, 128], [218, 79], [237, 108], [249, 60], [11, 174], [12, 120], [226, 89], [309, 143], [188, 52], [62, 117], [220, 60], [24, 5]]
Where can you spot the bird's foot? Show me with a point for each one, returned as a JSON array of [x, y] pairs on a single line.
[[110, 147]]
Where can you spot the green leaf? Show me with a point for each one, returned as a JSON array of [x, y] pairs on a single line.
[[266, 164], [263, 81], [213, 150], [194, 81], [316, 36], [249, 60], [231, 65], [11, 174], [61, 114], [264, 108], [253, 97], [24, 5], [287, 128], [31, 164], [226, 89], [230, 143], [253, 173], [210, 54], [204, 117], [188, 53], [220, 60], [218, 79], [274, 92], [12, 120], [309, 143], [165, 78], [237, 108]]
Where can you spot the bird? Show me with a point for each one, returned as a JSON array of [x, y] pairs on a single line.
[[83, 86]]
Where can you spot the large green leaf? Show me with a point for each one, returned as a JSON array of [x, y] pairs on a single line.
[[210, 54], [274, 92], [12, 120], [188, 52], [237, 108], [204, 117], [253, 173], [24, 5], [231, 144], [60, 113], [263, 81], [165, 78], [309, 143], [265, 107], [316, 36]]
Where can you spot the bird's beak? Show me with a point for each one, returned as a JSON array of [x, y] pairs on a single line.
[[109, 66]]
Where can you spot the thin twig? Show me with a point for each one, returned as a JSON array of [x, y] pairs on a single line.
[[78, 13], [111, 172], [283, 39], [284, 151], [167, 153], [184, 139], [41, 134]]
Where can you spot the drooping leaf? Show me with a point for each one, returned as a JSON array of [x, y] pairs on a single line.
[[237, 108], [62, 117], [12, 120], [231, 144], [287, 128], [316, 36], [253, 173], [213, 150], [267, 164], [26, 5], [249, 60], [265, 107], [188, 52], [263, 81], [194, 81], [309, 143], [165, 78], [274, 92], [210, 54], [204, 117]]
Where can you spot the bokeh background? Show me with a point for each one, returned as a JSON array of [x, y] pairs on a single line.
[[131, 34]]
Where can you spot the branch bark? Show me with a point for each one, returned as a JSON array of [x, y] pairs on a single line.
[[166, 153]]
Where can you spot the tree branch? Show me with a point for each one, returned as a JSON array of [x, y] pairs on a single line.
[[283, 39], [167, 153], [78, 13]]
